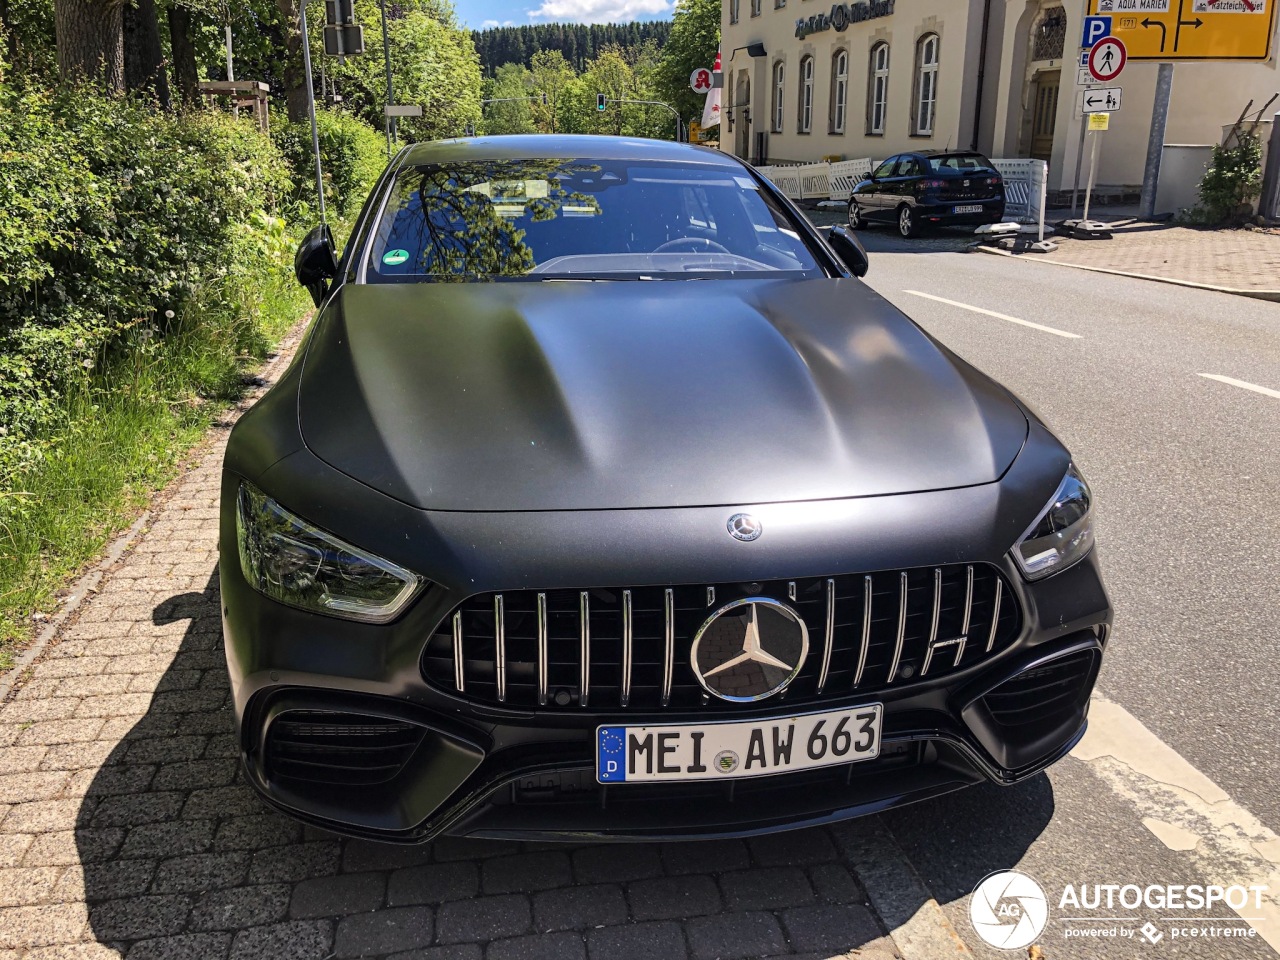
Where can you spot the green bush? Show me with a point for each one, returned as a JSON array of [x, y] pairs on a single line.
[[116, 219], [1232, 180], [352, 155]]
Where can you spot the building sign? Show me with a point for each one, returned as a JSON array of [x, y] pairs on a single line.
[[843, 14]]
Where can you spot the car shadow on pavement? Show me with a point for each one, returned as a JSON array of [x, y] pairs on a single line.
[[181, 859]]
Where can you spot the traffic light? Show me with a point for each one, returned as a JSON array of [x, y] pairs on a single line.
[[600, 102], [544, 98]]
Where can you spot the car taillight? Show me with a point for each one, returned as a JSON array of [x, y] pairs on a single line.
[[992, 181], [930, 185]]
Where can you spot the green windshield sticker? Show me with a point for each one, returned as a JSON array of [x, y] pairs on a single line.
[[395, 257]]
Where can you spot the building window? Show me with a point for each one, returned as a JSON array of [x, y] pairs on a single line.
[[878, 89], [926, 85], [779, 71], [1050, 35], [755, 8], [806, 95], [779, 4], [839, 89], [734, 7]]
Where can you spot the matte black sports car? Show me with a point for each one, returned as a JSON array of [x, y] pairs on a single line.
[[914, 191], [604, 499]]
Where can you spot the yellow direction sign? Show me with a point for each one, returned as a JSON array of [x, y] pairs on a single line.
[[1176, 30], [1098, 121]]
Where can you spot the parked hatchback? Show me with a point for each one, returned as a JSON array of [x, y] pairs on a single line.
[[915, 190]]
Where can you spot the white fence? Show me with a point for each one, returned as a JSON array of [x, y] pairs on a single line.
[[1024, 182]]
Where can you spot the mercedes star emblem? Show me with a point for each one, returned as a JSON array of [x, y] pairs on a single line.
[[744, 526], [749, 649]]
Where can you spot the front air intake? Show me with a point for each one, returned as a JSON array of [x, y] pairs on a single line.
[[343, 749]]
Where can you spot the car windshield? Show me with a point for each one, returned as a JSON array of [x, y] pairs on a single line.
[[581, 219], [961, 163]]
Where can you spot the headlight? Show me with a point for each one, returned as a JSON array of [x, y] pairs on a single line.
[[291, 561], [1062, 534]]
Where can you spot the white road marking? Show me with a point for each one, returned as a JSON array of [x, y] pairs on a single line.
[[1243, 384], [1233, 846], [999, 316]]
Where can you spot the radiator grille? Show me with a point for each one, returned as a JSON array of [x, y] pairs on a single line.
[[611, 648], [325, 746]]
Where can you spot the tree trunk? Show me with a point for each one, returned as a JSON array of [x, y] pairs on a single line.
[[293, 75], [10, 36], [143, 58], [185, 74], [90, 41]]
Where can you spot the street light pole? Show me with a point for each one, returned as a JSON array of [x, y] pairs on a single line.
[[311, 105], [386, 53], [659, 103]]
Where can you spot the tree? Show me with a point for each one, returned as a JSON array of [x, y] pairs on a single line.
[[694, 40], [550, 77], [143, 59], [90, 37], [611, 75], [183, 52], [510, 84], [293, 74]]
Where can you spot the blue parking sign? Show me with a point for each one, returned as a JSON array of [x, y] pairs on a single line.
[[1095, 28]]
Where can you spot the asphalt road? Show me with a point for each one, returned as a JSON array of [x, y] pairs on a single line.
[[1184, 471]]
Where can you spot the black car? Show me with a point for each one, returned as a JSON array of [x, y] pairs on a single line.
[[918, 190], [603, 499]]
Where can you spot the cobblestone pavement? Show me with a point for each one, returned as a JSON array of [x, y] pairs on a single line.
[[126, 829], [1238, 259]]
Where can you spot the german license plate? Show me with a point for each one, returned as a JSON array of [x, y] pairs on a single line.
[[727, 751], [969, 208]]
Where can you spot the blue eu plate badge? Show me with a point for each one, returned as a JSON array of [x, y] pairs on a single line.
[[610, 744]]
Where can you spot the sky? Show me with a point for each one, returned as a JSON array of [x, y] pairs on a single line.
[[479, 14]]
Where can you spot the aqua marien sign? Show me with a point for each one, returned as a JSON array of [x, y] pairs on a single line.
[[841, 15]]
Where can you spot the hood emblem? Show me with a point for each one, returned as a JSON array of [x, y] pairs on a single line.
[[749, 649], [743, 526]]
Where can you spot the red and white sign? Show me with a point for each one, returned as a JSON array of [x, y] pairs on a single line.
[[700, 80], [1106, 59]]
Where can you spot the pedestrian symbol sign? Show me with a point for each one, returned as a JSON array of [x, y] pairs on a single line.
[[1178, 30], [1101, 100], [1107, 59]]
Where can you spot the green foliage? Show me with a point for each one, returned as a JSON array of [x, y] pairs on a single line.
[[433, 65], [578, 43], [144, 257], [352, 156], [1232, 180], [695, 37], [512, 83]]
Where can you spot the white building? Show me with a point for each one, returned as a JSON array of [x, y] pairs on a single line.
[[808, 79]]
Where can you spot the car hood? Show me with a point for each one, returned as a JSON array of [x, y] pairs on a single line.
[[630, 394]]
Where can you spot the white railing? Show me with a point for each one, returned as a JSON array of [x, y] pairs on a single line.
[[1024, 182], [845, 175]]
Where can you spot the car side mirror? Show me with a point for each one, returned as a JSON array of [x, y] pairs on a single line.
[[316, 263], [850, 250]]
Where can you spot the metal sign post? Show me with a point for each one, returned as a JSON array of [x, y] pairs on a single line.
[[311, 105], [386, 54], [1097, 123]]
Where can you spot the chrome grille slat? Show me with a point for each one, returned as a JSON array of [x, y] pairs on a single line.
[[902, 627], [627, 647], [668, 643], [542, 649], [995, 617], [584, 627], [625, 698], [864, 644], [500, 646], [459, 673], [828, 635]]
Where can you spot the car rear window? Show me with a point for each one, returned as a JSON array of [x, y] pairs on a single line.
[[581, 219], [961, 163]]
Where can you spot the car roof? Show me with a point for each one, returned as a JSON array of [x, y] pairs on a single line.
[[554, 147]]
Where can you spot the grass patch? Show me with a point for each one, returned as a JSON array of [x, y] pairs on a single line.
[[123, 433]]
